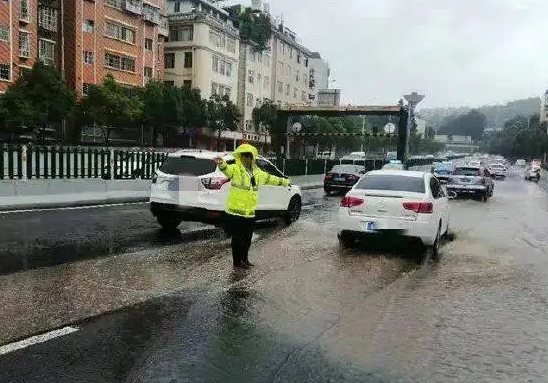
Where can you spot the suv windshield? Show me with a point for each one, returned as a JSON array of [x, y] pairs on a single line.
[[392, 182], [187, 166], [466, 172]]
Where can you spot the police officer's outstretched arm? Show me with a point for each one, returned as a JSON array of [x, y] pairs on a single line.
[[228, 170], [265, 178]]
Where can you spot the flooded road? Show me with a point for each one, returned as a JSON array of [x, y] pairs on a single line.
[[308, 312]]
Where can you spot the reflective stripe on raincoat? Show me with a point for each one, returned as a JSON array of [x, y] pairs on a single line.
[[242, 196]]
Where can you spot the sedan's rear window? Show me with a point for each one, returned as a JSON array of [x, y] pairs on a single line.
[[187, 166], [392, 182], [466, 172], [347, 169]]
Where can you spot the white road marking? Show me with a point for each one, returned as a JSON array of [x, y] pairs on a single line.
[[310, 207], [71, 208], [36, 339]]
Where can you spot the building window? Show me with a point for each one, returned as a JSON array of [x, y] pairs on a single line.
[[114, 3], [251, 76], [5, 71], [46, 51], [306, 62], [297, 76], [188, 60], [249, 99], [305, 79], [4, 32], [181, 34], [298, 58], [88, 57], [47, 18], [217, 39], [148, 44], [304, 96], [231, 45], [88, 26], [169, 83], [221, 66], [288, 70], [267, 60], [119, 62], [169, 60], [118, 32], [24, 10], [266, 82], [295, 93], [187, 83], [290, 53], [24, 44], [248, 124], [287, 89], [220, 90], [280, 87], [148, 72], [259, 78]]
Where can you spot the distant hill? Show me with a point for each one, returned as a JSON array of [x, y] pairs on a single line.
[[496, 114]]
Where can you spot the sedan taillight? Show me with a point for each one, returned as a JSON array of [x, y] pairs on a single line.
[[214, 183], [351, 201], [419, 207]]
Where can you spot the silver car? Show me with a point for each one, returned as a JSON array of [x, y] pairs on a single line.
[[470, 180]]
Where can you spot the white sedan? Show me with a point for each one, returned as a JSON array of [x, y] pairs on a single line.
[[413, 204]]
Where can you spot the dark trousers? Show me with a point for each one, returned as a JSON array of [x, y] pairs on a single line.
[[241, 230]]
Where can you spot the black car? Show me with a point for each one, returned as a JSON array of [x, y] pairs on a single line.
[[342, 177]]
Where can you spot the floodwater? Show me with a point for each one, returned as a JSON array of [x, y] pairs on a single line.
[[310, 311]]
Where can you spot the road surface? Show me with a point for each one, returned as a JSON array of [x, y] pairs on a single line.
[[308, 312]]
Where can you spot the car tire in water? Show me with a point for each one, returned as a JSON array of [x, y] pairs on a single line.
[[293, 210], [167, 221], [435, 248], [345, 241]]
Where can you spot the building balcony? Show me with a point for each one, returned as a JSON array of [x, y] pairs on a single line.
[[163, 29], [133, 6], [203, 17], [151, 16]]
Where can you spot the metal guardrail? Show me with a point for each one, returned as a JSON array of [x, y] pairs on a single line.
[[21, 162]]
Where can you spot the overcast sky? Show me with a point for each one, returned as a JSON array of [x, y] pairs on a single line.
[[456, 52]]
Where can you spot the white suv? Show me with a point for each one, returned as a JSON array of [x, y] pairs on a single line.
[[189, 186]]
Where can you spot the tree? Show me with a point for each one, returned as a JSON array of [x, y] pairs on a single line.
[[266, 116], [521, 136], [109, 106], [222, 115], [256, 27], [39, 99], [470, 124]]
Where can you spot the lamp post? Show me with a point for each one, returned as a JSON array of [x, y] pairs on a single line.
[[412, 99]]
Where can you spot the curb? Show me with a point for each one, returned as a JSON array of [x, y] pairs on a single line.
[[57, 205]]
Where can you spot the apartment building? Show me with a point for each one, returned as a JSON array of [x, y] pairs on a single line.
[[122, 37], [319, 72], [290, 70], [203, 48], [30, 30]]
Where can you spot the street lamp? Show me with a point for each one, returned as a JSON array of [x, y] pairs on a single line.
[[413, 100]]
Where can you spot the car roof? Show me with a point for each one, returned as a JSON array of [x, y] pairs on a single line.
[[404, 173], [204, 154]]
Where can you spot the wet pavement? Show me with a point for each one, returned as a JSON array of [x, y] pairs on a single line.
[[309, 311]]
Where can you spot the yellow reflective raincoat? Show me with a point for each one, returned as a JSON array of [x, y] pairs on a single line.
[[242, 196]]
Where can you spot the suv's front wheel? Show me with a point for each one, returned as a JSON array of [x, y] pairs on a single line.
[[293, 210], [168, 221]]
